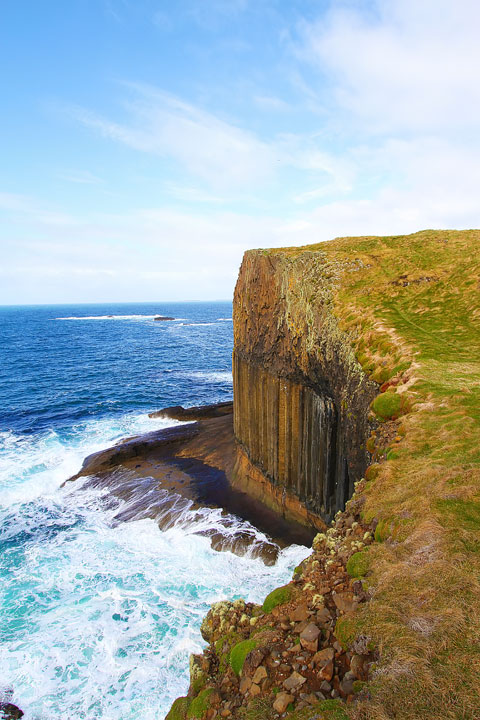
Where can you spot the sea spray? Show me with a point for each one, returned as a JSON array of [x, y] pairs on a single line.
[[99, 617]]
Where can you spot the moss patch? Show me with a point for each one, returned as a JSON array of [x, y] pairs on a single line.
[[358, 564], [222, 648], [179, 709], [345, 631], [324, 710], [387, 405], [239, 652], [279, 596], [199, 705]]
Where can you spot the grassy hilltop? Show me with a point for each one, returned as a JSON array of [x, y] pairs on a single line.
[[412, 310]]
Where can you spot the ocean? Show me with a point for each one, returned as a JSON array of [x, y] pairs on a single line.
[[99, 617]]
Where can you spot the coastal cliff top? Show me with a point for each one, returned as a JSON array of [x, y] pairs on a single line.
[[409, 306]]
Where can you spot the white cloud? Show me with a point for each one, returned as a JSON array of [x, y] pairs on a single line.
[[220, 153], [411, 66]]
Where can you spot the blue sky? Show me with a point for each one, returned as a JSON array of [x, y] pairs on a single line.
[[146, 144]]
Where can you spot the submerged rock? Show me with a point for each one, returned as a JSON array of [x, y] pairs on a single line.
[[8, 711]]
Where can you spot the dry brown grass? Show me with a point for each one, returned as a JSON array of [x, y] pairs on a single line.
[[411, 308]]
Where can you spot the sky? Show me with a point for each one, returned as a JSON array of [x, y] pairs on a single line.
[[146, 144]]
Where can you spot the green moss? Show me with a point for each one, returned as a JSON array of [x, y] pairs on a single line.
[[200, 704], [222, 648], [299, 569], [358, 564], [239, 652], [179, 709], [381, 375], [387, 405], [324, 710], [279, 596], [199, 683], [393, 455], [346, 631]]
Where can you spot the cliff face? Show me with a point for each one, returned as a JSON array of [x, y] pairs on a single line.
[[301, 399]]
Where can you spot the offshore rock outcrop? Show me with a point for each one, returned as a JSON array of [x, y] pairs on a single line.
[[301, 399]]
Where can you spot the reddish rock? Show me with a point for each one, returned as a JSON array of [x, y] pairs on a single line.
[[259, 675], [245, 684], [300, 613], [345, 602], [323, 656], [282, 701], [326, 672], [309, 637], [294, 682]]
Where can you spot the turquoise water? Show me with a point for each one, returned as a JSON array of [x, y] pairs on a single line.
[[98, 618]]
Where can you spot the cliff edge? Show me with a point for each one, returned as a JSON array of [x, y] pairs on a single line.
[[357, 386]]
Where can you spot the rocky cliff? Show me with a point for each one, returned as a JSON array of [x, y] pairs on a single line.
[[358, 357], [301, 399]]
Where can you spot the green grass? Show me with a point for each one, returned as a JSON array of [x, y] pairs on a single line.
[[409, 306]]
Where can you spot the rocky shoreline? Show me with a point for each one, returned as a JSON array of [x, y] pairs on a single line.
[[160, 473], [294, 653]]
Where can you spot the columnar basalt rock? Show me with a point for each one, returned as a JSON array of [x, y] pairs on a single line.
[[300, 398]]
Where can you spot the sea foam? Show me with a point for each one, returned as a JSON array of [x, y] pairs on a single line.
[[99, 617]]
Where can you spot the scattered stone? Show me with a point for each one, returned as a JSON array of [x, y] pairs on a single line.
[[325, 687], [299, 614], [345, 602], [326, 673], [294, 682], [323, 656], [346, 686], [323, 616], [245, 684], [282, 701], [260, 674], [309, 637], [253, 660], [357, 665]]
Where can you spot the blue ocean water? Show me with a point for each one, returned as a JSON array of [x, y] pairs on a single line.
[[98, 618]]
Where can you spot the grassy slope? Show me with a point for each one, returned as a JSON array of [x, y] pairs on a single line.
[[412, 308]]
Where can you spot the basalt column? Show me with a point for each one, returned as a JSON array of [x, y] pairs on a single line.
[[301, 400], [290, 433]]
